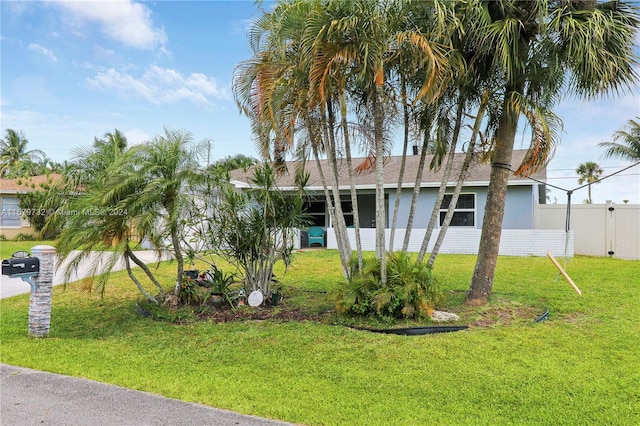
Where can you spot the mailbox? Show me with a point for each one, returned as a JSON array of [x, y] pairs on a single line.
[[21, 266]]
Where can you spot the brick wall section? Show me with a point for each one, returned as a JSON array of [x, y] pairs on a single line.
[[513, 242]]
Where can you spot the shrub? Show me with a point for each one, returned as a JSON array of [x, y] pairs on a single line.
[[411, 289], [24, 237], [3, 237]]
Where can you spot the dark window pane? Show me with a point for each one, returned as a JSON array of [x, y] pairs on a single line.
[[466, 201], [445, 202], [317, 220], [459, 219], [348, 220], [314, 207]]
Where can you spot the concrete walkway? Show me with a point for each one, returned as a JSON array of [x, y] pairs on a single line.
[[13, 286], [30, 397]]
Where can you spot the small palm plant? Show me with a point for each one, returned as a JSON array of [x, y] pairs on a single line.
[[411, 290]]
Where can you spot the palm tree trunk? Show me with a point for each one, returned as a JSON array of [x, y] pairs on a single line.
[[142, 290], [461, 178], [396, 206], [344, 246], [129, 253], [483, 274], [443, 185], [175, 240], [416, 191], [352, 181], [378, 119]]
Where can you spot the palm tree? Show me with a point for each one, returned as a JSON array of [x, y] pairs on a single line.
[[589, 172], [153, 185], [626, 145], [90, 163], [537, 50], [100, 216], [13, 151]]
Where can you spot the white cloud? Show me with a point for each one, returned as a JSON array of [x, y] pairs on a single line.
[[43, 50], [162, 85], [136, 136], [123, 20]]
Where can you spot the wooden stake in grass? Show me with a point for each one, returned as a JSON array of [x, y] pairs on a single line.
[[564, 274]]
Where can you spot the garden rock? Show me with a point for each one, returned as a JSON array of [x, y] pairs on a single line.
[[442, 316]]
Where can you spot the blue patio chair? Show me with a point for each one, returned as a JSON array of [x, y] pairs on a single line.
[[316, 235]]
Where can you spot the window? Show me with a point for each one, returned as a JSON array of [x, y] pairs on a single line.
[[464, 213], [10, 212]]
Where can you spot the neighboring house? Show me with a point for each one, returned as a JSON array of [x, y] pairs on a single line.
[[463, 236], [12, 221]]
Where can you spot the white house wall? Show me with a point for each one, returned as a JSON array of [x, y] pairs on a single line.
[[513, 242]]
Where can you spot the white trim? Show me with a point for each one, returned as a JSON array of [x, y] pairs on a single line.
[[395, 185]]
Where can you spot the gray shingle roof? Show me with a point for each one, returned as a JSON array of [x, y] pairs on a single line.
[[478, 175]]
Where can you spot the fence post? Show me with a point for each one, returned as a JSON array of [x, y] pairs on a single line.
[[41, 294], [610, 226]]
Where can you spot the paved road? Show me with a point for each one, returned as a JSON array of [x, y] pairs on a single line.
[[30, 397], [13, 286]]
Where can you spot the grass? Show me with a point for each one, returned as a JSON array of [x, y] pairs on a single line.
[[579, 367], [7, 248]]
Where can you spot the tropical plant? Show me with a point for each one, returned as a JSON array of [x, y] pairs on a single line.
[[537, 50], [13, 153], [253, 229], [590, 173], [318, 62], [40, 204], [189, 292], [626, 143], [130, 196], [164, 173], [411, 290]]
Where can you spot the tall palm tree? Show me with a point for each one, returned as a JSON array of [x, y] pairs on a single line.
[[626, 144], [590, 173], [13, 151], [537, 50]]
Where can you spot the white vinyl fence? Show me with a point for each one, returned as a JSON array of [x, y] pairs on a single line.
[[600, 229]]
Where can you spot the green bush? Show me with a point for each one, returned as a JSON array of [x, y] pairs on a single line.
[[411, 289], [24, 237], [3, 237]]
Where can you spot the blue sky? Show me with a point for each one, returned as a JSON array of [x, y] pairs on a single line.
[[75, 70]]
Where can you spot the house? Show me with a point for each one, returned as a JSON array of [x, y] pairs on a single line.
[[463, 236], [13, 222]]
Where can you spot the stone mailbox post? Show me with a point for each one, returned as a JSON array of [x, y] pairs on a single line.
[[41, 292]]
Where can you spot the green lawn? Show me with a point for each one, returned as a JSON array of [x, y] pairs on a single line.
[[7, 248], [582, 366]]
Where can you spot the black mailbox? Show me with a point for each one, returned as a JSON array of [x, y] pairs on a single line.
[[21, 266]]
